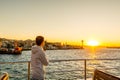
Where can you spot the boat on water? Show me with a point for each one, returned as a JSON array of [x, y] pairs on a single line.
[[8, 48], [17, 50]]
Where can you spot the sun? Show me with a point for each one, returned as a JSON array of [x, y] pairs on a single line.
[[93, 43]]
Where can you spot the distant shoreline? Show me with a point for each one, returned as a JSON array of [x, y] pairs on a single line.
[[114, 47], [72, 48], [54, 49]]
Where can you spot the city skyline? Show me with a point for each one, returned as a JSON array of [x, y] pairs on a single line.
[[61, 20]]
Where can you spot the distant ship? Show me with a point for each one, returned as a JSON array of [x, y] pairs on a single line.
[[17, 50]]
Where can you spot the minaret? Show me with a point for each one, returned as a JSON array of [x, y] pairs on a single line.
[[0, 44], [82, 41]]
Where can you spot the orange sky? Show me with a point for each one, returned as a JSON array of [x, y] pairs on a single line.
[[61, 20]]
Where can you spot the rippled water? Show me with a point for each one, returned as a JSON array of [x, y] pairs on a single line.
[[18, 71]]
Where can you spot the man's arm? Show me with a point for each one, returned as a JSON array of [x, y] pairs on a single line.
[[43, 58]]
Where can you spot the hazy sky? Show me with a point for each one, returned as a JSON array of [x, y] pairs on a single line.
[[68, 20]]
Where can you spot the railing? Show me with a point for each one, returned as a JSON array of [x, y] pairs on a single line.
[[85, 63], [53, 61], [18, 63]]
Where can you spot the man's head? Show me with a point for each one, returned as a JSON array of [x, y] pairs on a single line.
[[40, 40]]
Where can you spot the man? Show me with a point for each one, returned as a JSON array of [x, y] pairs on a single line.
[[38, 59]]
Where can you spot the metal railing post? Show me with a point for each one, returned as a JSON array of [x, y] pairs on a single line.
[[85, 69], [28, 70]]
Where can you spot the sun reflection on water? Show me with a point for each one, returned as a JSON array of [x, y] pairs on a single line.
[[93, 55]]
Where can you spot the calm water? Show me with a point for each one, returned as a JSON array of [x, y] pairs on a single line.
[[18, 71]]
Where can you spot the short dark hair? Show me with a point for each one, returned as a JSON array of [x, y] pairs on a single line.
[[39, 40]]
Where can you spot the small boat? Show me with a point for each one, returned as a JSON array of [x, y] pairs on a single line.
[[17, 50]]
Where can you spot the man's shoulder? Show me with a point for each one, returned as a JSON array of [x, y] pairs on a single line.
[[34, 46]]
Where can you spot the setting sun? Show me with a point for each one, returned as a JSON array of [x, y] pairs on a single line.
[[93, 43]]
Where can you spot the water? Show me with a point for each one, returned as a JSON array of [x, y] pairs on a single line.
[[18, 71]]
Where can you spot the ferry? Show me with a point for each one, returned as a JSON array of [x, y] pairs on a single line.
[[17, 50]]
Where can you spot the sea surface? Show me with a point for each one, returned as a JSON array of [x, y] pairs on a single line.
[[65, 70]]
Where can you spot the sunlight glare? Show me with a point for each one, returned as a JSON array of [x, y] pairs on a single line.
[[93, 43]]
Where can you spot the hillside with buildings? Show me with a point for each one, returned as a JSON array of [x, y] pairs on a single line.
[[27, 44]]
